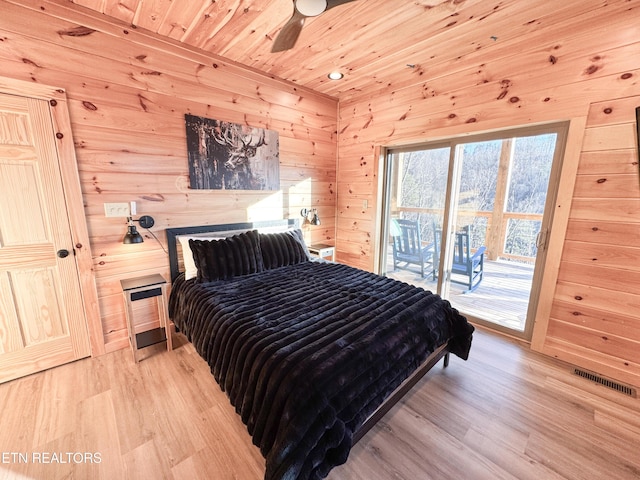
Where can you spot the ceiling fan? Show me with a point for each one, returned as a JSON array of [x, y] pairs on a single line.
[[302, 9]]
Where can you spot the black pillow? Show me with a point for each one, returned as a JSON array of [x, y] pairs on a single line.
[[284, 248], [226, 258]]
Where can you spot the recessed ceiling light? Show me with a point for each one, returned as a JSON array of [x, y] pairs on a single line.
[[335, 75]]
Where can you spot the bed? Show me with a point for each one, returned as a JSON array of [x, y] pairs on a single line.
[[310, 353]]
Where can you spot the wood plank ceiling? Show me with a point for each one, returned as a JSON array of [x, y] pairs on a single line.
[[383, 43]]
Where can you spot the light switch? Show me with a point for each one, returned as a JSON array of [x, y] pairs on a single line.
[[116, 209]]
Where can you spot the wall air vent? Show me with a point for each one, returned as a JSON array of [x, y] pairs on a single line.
[[594, 377]]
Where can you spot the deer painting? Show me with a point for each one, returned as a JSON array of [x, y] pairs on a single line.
[[229, 156]]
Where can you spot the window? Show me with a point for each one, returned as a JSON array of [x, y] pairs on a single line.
[[495, 187]]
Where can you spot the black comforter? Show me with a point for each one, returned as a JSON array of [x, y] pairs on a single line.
[[307, 352]]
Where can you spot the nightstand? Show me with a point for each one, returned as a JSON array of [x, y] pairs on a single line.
[[140, 288], [323, 251]]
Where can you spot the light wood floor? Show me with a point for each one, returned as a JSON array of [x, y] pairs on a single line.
[[506, 413]]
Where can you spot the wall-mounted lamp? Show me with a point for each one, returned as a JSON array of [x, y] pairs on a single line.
[[310, 212], [132, 235]]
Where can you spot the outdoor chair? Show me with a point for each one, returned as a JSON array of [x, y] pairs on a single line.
[[465, 263], [408, 248]]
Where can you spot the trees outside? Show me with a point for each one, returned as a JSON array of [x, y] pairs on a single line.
[[529, 181], [421, 180]]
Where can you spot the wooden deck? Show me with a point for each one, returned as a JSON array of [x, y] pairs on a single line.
[[502, 297]]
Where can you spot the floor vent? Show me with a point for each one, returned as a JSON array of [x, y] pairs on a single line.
[[594, 377]]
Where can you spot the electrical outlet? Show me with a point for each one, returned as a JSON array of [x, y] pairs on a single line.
[[116, 210]]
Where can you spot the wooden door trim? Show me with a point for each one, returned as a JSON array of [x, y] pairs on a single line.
[[557, 235], [57, 99]]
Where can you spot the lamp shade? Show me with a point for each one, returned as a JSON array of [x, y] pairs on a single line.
[[132, 235], [310, 212]]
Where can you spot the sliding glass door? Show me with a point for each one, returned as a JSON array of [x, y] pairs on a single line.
[[468, 219]]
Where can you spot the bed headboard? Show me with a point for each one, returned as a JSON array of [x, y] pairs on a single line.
[[175, 252]]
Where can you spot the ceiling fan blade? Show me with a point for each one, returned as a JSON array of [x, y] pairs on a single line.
[[336, 3], [289, 34]]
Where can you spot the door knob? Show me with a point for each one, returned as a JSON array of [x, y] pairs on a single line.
[[63, 253]]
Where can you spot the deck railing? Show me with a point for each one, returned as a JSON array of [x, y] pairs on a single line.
[[513, 239]]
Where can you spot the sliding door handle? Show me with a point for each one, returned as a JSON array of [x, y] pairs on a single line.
[[541, 240]]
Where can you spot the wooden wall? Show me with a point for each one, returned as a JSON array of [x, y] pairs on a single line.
[[595, 317], [128, 93], [566, 69]]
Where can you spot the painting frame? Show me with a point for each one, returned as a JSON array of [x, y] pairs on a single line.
[[230, 156]]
